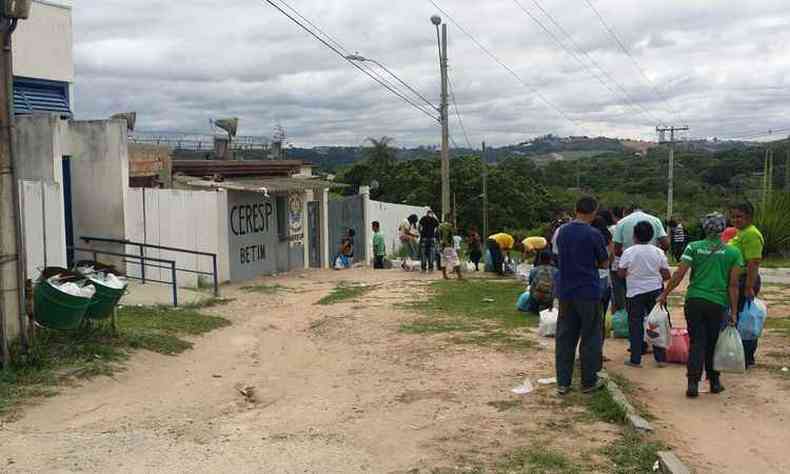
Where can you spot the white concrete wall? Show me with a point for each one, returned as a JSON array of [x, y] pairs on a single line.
[[391, 216], [43, 44], [99, 182], [194, 220], [42, 226], [41, 142]]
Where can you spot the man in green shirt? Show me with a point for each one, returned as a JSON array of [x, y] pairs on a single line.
[[750, 242], [715, 271], [379, 247]]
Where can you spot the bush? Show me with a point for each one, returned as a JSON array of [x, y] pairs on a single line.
[[773, 222]]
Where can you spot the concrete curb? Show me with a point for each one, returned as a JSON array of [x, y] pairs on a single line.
[[668, 462]]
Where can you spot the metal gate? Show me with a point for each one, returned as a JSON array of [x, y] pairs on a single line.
[[347, 214], [314, 226]]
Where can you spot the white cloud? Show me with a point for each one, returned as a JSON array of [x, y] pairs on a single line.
[[723, 65]]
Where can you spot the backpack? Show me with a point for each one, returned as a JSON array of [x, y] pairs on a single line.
[[543, 284]]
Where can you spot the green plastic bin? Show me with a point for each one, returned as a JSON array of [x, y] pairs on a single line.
[[103, 302], [57, 310]]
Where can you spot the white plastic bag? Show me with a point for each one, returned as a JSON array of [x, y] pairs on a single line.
[[729, 356], [548, 323], [73, 289], [657, 328], [109, 280]]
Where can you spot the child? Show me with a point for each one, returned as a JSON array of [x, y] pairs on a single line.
[[449, 253], [379, 247], [645, 269], [541, 284]]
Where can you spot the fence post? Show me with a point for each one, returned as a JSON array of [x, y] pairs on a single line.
[[216, 277], [142, 263], [175, 284]]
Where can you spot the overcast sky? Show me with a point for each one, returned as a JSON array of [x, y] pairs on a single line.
[[722, 65]]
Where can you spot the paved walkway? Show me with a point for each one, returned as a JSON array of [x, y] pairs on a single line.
[[159, 294]]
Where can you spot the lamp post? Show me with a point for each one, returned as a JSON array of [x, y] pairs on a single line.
[[445, 156], [12, 272]]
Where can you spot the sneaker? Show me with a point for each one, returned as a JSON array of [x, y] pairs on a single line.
[[693, 390], [633, 364], [660, 365], [562, 391], [600, 384]]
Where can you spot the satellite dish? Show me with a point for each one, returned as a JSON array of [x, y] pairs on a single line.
[[130, 117], [230, 125]]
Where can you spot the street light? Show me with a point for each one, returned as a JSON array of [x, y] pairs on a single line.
[[437, 21], [362, 59]]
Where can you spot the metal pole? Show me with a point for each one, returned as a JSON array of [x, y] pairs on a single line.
[[445, 128], [175, 284], [671, 191], [485, 193], [216, 276], [142, 264], [10, 291]]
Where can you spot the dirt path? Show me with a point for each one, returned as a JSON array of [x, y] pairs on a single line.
[[336, 389], [745, 429]]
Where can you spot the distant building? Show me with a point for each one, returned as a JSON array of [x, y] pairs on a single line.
[[43, 63]]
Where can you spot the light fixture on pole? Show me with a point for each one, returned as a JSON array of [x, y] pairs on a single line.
[[362, 59], [445, 156]]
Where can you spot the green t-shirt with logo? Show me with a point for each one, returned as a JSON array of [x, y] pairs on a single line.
[[750, 242], [711, 263]]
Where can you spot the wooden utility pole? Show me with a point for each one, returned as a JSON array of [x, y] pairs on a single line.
[[485, 192], [445, 126], [671, 173]]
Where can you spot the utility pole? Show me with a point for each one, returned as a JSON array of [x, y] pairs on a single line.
[[445, 127], [671, 175], [787, 172], [485, 192], [10, 246]]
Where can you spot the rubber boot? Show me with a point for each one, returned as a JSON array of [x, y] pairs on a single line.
[[693, 389], [715, 384]]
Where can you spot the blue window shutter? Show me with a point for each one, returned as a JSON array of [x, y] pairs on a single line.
[[32, 95]]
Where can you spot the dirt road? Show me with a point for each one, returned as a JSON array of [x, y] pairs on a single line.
[[334, 389]]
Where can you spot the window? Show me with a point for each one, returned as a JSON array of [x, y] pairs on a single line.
[[37, 95]]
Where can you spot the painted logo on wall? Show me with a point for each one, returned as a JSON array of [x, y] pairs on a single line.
[[295, 219]]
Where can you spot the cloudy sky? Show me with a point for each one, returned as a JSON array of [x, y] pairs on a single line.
[[720, 66]]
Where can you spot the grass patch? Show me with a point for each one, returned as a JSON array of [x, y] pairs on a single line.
[[537, 461], [345, 292], [207, 303], [779, 325], [265, 289], [92, 351], [633, 453], [775, 262], [466, 310]]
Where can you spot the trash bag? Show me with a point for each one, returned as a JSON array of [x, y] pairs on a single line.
[[678, 350], [548, 323], [729, 356], [620, 324], [657, 327], [489, 262], [523, 302], [752, 319]]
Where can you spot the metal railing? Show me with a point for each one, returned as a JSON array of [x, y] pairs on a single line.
[[171, 265], [142, 246]]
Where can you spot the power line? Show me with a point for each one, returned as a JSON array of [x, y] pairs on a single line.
[[338, 51], [581, 52], [622, 46], [458, 113], [510, 70]]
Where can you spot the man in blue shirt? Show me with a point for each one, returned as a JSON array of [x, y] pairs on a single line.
[[582, 251]]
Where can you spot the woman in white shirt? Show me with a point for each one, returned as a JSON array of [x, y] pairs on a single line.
[[645, 268]]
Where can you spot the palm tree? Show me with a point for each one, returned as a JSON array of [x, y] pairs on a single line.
[[380, 153]]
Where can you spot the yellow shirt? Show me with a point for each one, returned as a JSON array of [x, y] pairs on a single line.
[[505, 241], [532, 244]]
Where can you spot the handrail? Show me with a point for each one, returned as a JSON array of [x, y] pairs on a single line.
[[143, 245], [171, 266]]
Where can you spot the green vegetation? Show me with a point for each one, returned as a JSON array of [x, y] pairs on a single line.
[[92, 351], [465, 311], [537, 461], [633, 453], [345, 291], [780, 325]]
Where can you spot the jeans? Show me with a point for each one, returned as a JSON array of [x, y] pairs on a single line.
[[618, 291], [749, 347], [497, 259], [536, 307], [578, 319], [639, 307], [703, 319], [428, 247]]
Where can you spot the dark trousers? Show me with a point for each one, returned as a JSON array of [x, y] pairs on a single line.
[[677, 250], [428, 247], [618, 291], [749, 347], [578, 319], [378, 262], [639, 307], [475, 256], [703, 319], [606, 298], [497, 259]]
